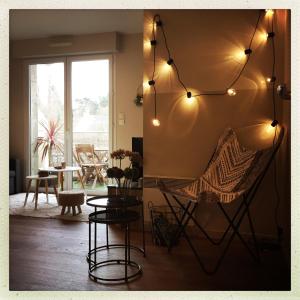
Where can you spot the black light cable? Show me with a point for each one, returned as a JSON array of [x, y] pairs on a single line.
[[249, 52], [172, 62], [274, 124], [151, 82]]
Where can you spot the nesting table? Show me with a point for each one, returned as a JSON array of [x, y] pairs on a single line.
[[114, 209]]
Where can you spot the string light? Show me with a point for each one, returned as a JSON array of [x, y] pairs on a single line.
[[274, 123], [159, 23], [231, 92], [170, 61], [248, 51], [153, 42], [269, 12], [156, 122], [271, 79]]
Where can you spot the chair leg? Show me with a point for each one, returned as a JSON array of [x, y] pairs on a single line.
[[79, 209], [56, 193], [36, 193], [187, 237], [68, 209], [94, 183], [180, 226], [46, 190], [28, 190], [80, 179], [63, 210], [236, 228], [209, 238], [73, 210]]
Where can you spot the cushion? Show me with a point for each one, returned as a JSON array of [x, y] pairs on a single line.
[[231, 163]]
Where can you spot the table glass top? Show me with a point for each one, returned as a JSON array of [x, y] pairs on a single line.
[[114, 201]]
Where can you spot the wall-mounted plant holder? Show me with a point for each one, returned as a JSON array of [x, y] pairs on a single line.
[[138, 100]]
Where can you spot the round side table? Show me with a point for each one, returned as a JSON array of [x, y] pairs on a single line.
[[38, 180], [114, 210]]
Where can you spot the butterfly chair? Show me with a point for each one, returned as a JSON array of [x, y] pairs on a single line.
[[90, 164], [233, 173]]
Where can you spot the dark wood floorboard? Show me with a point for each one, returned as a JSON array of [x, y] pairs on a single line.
[[48, 254]]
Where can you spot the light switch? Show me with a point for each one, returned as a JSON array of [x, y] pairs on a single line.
[[121, 119]]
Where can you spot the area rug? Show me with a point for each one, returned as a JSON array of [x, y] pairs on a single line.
[[49, 210]]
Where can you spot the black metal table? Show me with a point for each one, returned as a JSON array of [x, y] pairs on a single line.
[[114, 209]]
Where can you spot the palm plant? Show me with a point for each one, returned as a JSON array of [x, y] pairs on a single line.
[[50, 141]]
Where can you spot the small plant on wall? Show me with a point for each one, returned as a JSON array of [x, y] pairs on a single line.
[[138, 100]]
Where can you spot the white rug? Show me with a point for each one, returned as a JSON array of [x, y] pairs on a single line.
[[45, 210]]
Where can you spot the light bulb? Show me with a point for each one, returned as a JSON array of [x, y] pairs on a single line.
[[269, 12], [170, 61], [248, 51], [231, 92], [190, 100], [159, 23], [274, 123], [264, 36], [155, 122], [240, 55], [271, 79]]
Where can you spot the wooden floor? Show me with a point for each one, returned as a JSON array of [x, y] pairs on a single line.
[[48, 254]]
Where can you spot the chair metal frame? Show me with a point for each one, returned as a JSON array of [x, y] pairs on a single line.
[[234, 222]]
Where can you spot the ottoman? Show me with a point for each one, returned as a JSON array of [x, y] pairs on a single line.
[[68, 199]]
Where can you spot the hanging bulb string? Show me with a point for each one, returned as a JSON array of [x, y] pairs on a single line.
[[248, 56], [154, 101], [154, 47], [154, 63], [169, 55], [206, 93], [277, 195]]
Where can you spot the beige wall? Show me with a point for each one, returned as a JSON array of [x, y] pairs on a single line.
[[203, 43], [127, 76]]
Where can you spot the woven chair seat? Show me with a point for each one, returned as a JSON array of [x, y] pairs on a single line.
[[231, 172]]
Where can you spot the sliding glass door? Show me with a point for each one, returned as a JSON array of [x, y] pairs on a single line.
[[70, 108], [47, 98], [90, 86]]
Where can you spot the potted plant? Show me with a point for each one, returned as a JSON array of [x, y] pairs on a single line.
[[50, 142], [124, 177]]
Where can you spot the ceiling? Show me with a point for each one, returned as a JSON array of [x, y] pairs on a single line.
[[35, 23]]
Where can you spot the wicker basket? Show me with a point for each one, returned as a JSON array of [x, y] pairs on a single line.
[[164, 224]]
